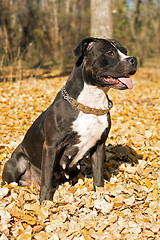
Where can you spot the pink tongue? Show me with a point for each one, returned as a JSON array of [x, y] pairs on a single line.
[[126, 81]]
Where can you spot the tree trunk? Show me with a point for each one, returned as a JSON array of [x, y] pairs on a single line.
[[101, 18], [135, 29]]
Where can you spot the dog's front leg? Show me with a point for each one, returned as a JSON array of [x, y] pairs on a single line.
[[47, 168], [97, 161]]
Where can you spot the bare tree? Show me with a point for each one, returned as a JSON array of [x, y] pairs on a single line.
[[44, 32], [101, 18]]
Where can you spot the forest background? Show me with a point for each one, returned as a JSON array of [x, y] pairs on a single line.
[[43, 33]]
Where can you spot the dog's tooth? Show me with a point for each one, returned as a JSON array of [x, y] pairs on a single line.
[[78, 166], [69, 157], [67, 176]]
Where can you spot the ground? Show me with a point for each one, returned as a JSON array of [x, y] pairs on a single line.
[[128, 207]]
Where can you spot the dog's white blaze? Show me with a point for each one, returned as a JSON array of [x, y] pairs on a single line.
[[89, 126], [122, 55]]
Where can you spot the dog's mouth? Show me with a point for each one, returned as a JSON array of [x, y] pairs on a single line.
[[122, 82]]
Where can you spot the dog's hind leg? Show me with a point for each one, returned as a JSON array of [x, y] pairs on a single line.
[[15, 167]]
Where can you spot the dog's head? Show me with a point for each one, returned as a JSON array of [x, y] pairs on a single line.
[[106, 63]]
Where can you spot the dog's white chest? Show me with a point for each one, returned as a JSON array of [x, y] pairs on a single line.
[[90, 127]]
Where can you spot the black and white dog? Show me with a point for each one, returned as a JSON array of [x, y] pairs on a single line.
[[77, 123]]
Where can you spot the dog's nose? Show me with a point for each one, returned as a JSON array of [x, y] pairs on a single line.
[[132, 60]]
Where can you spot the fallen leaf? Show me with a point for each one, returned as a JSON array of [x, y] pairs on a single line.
[[148, 183], [24, 236], [153, 195], [128, 205], [41, 236], [28, 219], [103, 205], [3, 192]]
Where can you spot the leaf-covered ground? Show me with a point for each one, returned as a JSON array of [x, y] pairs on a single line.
[[128, 207]]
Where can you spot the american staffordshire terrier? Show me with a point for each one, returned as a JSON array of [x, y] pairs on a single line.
[[77, 123]]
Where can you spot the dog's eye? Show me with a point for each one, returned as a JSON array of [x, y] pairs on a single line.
[[110, 53]]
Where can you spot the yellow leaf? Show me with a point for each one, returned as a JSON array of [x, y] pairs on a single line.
[[135, 180], [147, 171], [89, 202], [31, 207], [86, 234], [153, 195], [72, 209], [146, 219], [15, 212], [99, 232], [11, 185], [28, 219], [1, 158], [24, 236], [113, 218], [154, 164], [21, 113], [42, 212], [41, 236], [148, 183], [145, 155]]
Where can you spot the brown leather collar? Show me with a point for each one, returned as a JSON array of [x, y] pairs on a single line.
[[83, 108]]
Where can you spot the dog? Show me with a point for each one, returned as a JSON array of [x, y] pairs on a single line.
[[77, 123]]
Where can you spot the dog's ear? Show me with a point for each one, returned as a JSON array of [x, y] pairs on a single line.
[[82, 47]]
